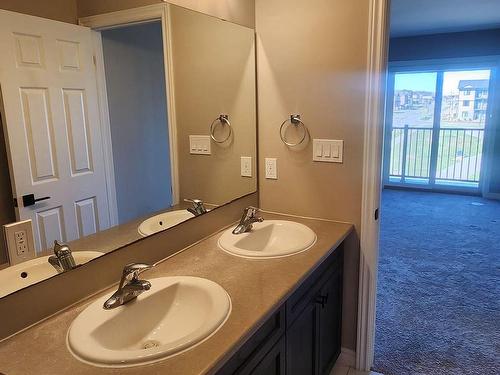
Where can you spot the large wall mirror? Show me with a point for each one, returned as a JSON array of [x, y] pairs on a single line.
[[112, 134]]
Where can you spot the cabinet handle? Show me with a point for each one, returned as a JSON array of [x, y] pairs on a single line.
[[322, 300]]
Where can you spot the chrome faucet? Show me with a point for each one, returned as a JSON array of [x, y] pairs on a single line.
[[247, 219], [130, 285], [62, 260], [198, 207]]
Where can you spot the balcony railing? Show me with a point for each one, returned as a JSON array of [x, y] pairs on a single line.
[[454, 158]]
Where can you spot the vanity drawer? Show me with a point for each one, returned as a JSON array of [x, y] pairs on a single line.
[[258, 345], [310, 288]]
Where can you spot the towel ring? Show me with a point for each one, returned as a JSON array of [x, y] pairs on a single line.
[[296, 121], [223, 119]]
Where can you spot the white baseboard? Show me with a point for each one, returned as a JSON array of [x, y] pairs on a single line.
[[347, 357]]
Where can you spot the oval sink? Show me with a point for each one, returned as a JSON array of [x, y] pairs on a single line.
[[163, 221], [32, 271], [176, 314], [269, 239]]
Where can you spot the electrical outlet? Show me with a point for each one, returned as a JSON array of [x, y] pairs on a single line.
[[246, 166], [271, 169], [20, 242]]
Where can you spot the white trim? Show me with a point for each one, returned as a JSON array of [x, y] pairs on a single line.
[[170, 94], [372, 179], [102, 98], [119, 18], [156, 12]]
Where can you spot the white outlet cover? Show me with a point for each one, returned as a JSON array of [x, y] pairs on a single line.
[[26, 249], [271, 168], [246, 166]]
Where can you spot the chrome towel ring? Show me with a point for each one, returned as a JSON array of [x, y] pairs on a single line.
[[295, 121], [224, 120]]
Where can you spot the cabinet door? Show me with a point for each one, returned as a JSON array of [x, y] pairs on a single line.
[[301, 343], [330, 322], [273, 363]]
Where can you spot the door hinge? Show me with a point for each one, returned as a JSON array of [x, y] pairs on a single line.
[[94, 59]]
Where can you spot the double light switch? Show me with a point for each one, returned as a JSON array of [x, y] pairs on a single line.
[[328, 150]]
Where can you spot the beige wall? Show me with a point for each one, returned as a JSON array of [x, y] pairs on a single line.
[[237, 11], [312, 61], [214, 73], [60, 10]]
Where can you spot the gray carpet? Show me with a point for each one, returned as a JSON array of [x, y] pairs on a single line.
[[438, 303]]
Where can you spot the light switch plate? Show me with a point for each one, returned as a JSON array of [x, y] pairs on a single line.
[[20, 242], [328, 150], [271, 168], [199, 145], [246, 166]]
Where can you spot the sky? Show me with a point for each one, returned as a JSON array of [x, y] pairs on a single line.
[[427, 81]]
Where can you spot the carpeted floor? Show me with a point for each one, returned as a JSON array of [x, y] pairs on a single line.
[[438, 303]]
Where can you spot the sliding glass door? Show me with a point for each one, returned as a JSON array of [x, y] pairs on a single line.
[[435, 126]]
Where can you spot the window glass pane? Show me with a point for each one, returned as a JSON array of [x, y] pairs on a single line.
[[414, 99], [465, 99], [463, 116]]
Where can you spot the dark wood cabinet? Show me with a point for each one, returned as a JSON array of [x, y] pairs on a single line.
[[301, 343], [330, 323], [303, 337]]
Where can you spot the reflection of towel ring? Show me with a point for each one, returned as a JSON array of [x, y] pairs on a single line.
[[296, 121], [223, 119]]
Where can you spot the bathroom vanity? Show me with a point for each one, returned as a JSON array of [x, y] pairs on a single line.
[[285, 317]]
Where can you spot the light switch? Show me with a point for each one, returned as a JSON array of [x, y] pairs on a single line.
[[246, 166], [328, 150], [199, 144], [271, 169]]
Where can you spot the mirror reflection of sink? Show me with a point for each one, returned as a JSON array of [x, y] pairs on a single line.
[[163, 221], [35, 270], [176, 314], [269, 239]]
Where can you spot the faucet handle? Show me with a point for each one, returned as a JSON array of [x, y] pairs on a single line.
[[251, 211], [61, 249], [131, 271]]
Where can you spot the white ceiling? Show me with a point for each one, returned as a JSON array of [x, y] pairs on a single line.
[[420, 17]]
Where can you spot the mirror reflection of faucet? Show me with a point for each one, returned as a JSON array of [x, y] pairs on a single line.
[[62, 260], [198, 207]]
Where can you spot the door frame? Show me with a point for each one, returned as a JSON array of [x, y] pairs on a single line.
[[106, 21], [375, 87], [491, 63]]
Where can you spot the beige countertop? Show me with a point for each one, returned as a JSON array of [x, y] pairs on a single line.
[[256, 287]]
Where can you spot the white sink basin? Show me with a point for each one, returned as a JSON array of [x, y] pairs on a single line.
[[163, 221], [269, 239], [176, 314], [32, 271]]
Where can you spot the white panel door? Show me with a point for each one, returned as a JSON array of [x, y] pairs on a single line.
[[50, 116]]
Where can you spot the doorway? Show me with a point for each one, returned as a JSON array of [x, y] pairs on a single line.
[[139, 128]]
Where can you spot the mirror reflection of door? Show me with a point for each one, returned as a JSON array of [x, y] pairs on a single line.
[[51, 118]]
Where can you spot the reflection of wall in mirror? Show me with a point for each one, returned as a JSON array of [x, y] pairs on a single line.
[[7, 214], [214, 73]]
